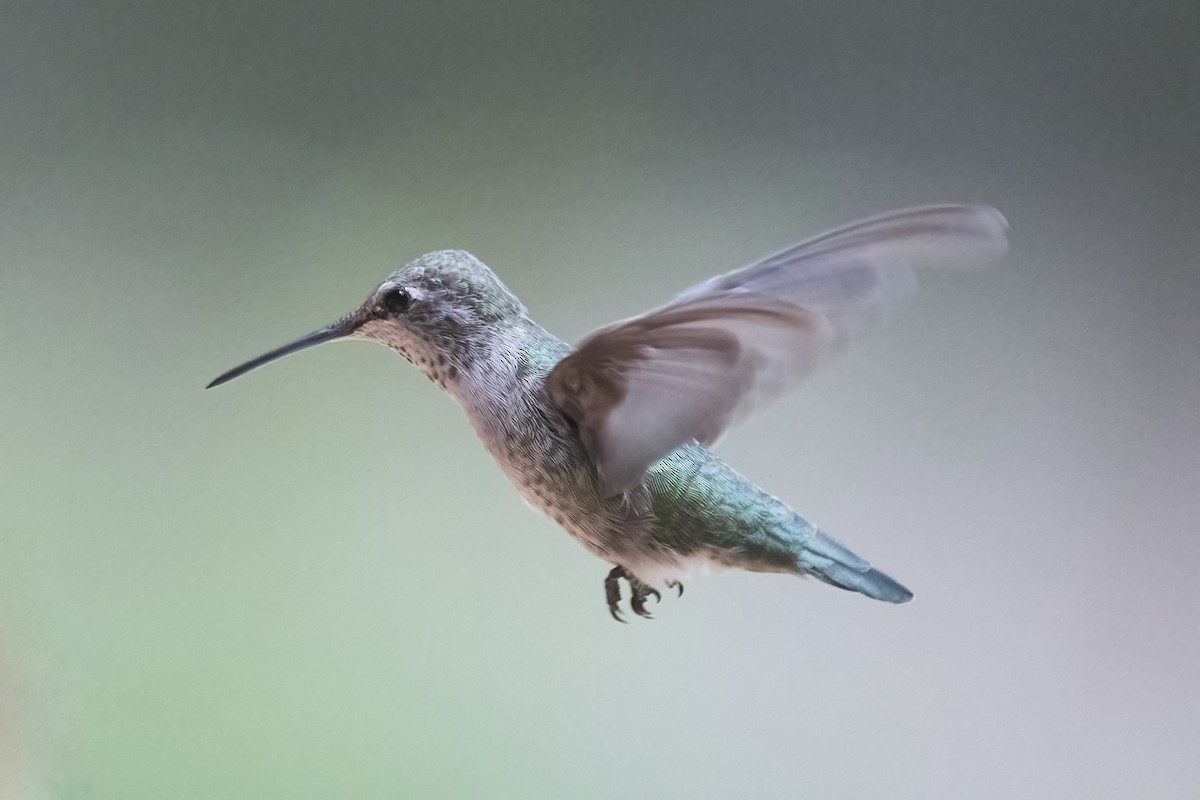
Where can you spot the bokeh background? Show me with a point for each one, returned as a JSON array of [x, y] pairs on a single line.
[[314, 583]]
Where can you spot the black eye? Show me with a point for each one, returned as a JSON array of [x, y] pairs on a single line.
[[397, 300]]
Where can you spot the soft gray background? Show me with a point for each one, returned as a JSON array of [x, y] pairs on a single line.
[[314, 583]]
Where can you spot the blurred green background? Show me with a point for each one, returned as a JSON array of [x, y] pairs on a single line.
[[314, 583]]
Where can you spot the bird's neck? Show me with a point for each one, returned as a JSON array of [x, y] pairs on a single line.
[[503, 391], [504, 380]]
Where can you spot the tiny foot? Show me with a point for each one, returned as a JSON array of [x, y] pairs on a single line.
[[639, 593], [612, 592]]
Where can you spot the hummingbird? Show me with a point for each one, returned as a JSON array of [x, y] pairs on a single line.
[[610, 439]]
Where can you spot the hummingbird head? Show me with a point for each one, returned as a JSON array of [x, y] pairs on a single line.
[[439, 312]]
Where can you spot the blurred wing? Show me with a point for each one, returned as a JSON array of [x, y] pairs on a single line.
[[640, 388]]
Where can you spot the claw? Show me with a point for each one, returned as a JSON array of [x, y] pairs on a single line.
[[638, 603], [612, 593], [677, 586], [639, 593]]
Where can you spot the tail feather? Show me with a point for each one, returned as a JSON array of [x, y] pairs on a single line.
[[833, 563]]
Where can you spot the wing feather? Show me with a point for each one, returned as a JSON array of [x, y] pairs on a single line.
[[640, 388]]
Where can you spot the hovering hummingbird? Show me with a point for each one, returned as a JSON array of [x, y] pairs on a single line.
[[610, 439]]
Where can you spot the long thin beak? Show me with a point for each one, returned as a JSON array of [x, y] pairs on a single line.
[[338, 330]]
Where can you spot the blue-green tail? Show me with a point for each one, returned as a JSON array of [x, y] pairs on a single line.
[[824, 558]]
